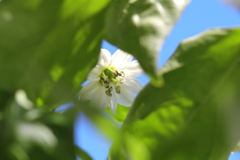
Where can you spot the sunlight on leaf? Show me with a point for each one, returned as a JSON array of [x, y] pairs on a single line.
[[38, 134], [195, 114], [143, 24]]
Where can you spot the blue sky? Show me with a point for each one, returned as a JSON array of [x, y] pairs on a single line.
[[199, 16]]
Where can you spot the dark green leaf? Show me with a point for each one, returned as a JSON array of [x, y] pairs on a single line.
[[195, 115], [47, 49], [139, 27]]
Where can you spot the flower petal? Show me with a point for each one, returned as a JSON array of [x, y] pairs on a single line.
[[104, 58], [94, 74], [99, 99], [88, 90], [125, 98], [95, 99], [103, 101], [133, 69], [113, 103], [133, 85], [121, 59], [95, 92]]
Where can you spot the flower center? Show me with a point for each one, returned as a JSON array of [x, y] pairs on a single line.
[[111, 77]]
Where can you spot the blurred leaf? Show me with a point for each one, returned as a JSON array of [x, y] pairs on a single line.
[[82, 154], [48, 50], [32, 134], [82, 9], [121, 113], [103, 123], [237, 148], [195, 115], [140, 27], [22, 29], [233, 3], [36, 133], [5, 97]]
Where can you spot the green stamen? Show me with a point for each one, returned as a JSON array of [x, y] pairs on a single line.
[[111, 76]]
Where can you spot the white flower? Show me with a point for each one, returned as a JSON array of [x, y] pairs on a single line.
[[112, 81]]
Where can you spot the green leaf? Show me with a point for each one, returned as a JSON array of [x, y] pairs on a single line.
[[23, 27], [121, 113], [47, 49], [103, 123], [81, 10], [82, 154], [5, 97], [195, 115], [28, 133], [140, 27], [237, 148]]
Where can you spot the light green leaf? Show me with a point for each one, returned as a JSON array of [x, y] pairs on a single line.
[[82, 9], [195, 115], [140, 27], [121, 113]]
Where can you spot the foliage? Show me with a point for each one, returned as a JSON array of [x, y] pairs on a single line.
[[196, 116], [188, 111]]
